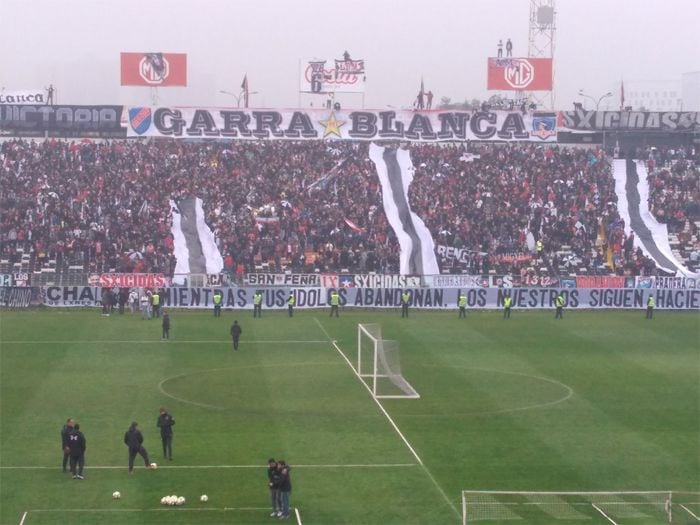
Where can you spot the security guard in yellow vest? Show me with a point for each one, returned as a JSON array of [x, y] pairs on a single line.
[[507, 303], [539, 247], [155, 302], [290, 304], [257, 304], [559, 302], [217, 303], [651, 303], [405, 302], [462, 303], [335, 302]]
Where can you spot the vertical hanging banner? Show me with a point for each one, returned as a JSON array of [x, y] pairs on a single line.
[[519, 74], [332, 76], [154, 69], [395, 172]]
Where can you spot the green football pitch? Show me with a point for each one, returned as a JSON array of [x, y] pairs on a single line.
[[598, 401]]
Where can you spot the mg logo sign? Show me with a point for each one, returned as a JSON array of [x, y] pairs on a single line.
[[519, 73], [154, 71]]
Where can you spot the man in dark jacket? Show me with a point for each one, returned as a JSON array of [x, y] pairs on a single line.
[[77, 445], [166, 325], [65, 446], [236, 332], [285, 486], [273, 479], [165, 423], [134, 440]]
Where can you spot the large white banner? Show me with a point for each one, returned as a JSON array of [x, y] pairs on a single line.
[[27, 96], [395, 172], [331, 124], [346, 75], [430, 298]]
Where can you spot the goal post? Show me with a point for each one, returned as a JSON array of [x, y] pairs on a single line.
[[540, 508], [378, 364]]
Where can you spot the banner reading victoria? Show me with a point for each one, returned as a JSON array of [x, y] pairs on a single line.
[[34, 117], [314, 124]]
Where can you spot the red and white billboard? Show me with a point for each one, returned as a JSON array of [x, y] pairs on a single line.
[[154, 69], [520, 74]]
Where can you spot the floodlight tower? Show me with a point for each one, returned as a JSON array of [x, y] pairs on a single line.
[[541, 40]]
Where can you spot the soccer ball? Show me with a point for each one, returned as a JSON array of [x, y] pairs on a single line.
[[153, 466], [164, 500], [173, 500], [180, 501], [116, 494], [203, 498]]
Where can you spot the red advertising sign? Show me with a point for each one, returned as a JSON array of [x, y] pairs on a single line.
[[600, 281], [129, 280], [520, 74], [154, 69]]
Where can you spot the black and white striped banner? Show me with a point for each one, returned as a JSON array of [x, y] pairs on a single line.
[[395, 171]]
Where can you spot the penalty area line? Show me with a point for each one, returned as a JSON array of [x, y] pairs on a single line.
[[24, 517], [690, 512], [298, 515], [596, 507]]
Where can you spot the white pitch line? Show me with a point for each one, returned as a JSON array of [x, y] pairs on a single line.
[[391, 421], [310, 466], [24, 516], [690, 512], [149, 341], [296, 511], [603, 513], [164, 509]]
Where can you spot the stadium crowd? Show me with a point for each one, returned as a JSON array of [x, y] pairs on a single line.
[[317, 205]]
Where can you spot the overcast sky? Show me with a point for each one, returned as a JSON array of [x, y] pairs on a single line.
[[75, 45]]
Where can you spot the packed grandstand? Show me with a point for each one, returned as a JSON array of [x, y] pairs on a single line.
[[71, 208]]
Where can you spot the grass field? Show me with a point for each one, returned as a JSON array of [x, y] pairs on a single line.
[[601, 401]]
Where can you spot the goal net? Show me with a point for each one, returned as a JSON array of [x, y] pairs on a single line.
[[378, 364], [540, 508]]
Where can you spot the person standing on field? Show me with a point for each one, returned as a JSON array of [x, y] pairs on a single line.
[[65, 445], [507, 303], [145, 307], [335, 302], [166, 325], [134, 440], [462, 303], [273, 484], [285, 486], [405, 302], [651, 303], [217, 303], [165, 423], [559, 303], [155, 301], [257, 304], [236, 332], [77, 445], [290, 304], [133, 301]]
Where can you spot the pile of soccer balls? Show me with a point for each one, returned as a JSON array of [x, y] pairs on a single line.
[[179, 500], [172, 500]]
